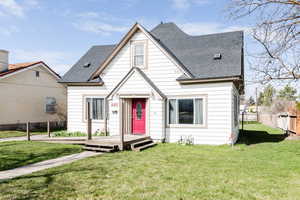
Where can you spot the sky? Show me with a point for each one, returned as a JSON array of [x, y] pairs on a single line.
[[59, 32]]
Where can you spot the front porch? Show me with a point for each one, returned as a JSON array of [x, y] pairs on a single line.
[[113, 143], [106, 143]]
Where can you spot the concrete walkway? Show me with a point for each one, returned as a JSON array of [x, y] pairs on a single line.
[[12, 173]]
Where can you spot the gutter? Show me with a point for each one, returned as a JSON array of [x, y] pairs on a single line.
[[82, 83], [209, 80]]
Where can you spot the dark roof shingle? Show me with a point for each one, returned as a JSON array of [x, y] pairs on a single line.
[[95, 56], [195, 53]]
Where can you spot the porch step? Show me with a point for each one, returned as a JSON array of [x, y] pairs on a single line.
[[97, 149], [141, 145], [101, 147]]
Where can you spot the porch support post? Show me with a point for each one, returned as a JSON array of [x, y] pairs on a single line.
[[121, 124], [89, 121]]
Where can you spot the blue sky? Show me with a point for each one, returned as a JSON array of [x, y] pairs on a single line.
[[59, 32]]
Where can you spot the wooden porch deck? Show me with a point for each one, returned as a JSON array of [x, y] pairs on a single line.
[[115, 140], [98, 140]]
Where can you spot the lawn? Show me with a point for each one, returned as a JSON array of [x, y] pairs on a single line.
[[20, 153], [6, 134], [258, 169]]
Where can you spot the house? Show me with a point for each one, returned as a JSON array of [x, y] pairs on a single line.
[[30, 92], [161, 83]]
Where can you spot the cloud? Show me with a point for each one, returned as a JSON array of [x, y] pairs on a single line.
[[55, 59], [183, 5], [12, 7], [88, 15], [199, 28], [8, 30], [99, 27], [100, 23]]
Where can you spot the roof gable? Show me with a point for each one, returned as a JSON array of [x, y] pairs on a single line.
[[20, 67], [143, 75], [124, 41]]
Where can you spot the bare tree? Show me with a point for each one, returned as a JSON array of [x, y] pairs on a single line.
[[276, 29]]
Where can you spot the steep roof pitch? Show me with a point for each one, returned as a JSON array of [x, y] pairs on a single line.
[[94, 58], [14, 68], [195, 54]]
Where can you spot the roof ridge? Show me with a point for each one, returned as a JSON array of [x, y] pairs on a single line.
[[218, 33]]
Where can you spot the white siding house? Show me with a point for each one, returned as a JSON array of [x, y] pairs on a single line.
[[150, 85]]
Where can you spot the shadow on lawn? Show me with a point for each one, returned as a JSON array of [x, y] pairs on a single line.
[[255, 137], [44, 180]]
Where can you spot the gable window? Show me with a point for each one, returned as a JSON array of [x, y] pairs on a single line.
[[186, 111], [50, 106], [37, 74], [139, 54], [96, 108]]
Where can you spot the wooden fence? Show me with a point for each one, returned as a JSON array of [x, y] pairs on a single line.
[[34, 126]]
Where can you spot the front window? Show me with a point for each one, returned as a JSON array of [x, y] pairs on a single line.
[[138, 54], [96, 106], [186, 111]]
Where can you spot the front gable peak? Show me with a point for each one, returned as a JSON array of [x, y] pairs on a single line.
[[137, 27]]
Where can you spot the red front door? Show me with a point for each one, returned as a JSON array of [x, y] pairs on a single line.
[[138, 116]]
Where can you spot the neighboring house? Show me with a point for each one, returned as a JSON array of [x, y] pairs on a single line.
[[162, 83], [30, 92]]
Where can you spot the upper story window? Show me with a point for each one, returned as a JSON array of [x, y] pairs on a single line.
[[139, 54]]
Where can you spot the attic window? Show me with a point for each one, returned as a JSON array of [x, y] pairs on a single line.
[[87, 65], [217, 56]]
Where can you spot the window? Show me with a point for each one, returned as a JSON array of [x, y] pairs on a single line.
[[138, 54], [139, 111], [96, 108], [50, 105], [236, 110], [186, 111], [37, 74]]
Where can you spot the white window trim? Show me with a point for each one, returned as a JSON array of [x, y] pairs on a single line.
[[132, 45], [177, 125], [84, 119]]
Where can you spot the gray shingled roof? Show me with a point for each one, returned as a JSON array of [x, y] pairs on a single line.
[[195, 53], [95, 56]]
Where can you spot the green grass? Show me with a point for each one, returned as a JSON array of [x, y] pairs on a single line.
[[259, 169], [7, 134], [255, 126], [20, 153]]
